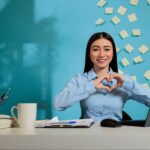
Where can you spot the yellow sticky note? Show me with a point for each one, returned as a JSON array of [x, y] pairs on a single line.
[[125, 62], [147, 74], [134, 2], [137, 59], [136, 32], [115, 20], [145, 85], [134, 78], [109, 10], [121, 10], [143, 49], [101, 3], [129, 48], [148, 2], [117, 49], [132, 17], [120, 71], [99, 21], [124, 34]]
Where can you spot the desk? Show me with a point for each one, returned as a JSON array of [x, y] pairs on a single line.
[[94, 138]]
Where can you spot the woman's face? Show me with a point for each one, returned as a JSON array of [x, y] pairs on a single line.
[[101, 53]]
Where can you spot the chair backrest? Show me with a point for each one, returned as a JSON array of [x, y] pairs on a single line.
[[126, 116]]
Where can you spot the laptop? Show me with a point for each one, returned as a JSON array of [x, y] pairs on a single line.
[[140, 123]]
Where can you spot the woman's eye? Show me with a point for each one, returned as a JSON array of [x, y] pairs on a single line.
[[95, 49], [107, 49]]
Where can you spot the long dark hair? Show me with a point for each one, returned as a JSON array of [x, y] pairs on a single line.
[[99, 35]]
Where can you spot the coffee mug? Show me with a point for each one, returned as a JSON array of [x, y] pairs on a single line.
[[26, 114]]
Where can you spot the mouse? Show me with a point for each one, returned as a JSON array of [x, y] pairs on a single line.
[[110, 123]]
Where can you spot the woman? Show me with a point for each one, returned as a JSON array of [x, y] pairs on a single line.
[[101, 90]]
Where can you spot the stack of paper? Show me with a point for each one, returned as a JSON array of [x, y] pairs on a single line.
[[5, 121], [55, 123]]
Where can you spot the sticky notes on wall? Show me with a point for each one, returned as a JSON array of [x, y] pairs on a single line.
[[121, 10], [132, 17], [129, 48], [137, 59], [124, 34], [145, 85], [101, 3], [134, 2], [147, 74], [120, 71], [109, 10], [136, 32], [134, 78], [115, 20], [143, 49], [148, 2], [125, 18], [99, 21], [125, 62], [117, 49]]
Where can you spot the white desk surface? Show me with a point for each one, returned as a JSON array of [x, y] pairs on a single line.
[[94, 138]]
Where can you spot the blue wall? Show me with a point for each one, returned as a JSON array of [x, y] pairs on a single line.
[[42, 46]]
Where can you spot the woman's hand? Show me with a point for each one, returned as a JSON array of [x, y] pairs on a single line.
[[99, 85], [118, 77], [98, 82]]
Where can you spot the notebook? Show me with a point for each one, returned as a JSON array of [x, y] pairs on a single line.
[[142, 123], [79, 123]]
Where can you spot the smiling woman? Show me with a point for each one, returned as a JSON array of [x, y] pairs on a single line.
[[101, 54], [101, 90]]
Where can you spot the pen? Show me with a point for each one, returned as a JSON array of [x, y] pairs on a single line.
[[4, 96], [71, 122]]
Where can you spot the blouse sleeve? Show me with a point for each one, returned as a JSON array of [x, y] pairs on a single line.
[[137, 91], [77, 89]]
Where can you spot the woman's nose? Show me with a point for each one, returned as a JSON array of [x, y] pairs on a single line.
[[101, 53]]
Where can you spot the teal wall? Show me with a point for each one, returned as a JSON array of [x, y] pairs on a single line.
[[42, 46]]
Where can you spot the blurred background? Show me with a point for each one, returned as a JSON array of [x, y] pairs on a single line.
[[42, 46]]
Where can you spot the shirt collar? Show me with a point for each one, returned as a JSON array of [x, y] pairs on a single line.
[[92, 74]]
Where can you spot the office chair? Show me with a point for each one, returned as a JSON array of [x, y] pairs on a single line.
[[126, 116]]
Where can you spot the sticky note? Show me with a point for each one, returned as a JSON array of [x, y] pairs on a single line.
[[117, 49], [99, 21], [145, 85], [134, 2], [136, 32], [132, 17], [148, 2], [143, 49], [121, 10], [109, 10], [125, 62], [120, 71], [137, 59], [101, 3], [124, 34], [115, 20], [129, 48], [134, 78], [147, 74]]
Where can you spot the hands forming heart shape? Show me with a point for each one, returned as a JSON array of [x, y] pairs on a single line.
[[109, 82]]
